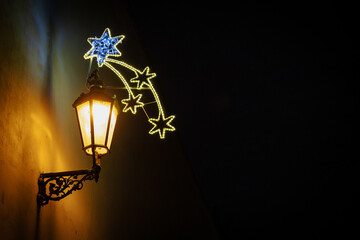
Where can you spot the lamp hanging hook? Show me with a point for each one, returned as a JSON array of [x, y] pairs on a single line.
[[88, 74], [94, 80]]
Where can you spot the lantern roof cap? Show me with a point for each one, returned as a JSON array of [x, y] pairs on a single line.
[[95, 93]]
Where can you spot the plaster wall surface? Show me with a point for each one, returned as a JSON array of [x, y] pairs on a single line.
[[146, 188], [31, 140]]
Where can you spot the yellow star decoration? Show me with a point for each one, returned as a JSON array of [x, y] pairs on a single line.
[[105, 46], [143, 78], [161, 125], [132, 103]]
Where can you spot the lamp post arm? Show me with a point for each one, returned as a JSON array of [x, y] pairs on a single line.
[[57, 185], [65, 174]]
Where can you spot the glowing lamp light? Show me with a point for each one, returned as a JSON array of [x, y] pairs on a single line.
[[96, 113]]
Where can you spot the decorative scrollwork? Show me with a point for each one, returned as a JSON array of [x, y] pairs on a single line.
[[56, 186]]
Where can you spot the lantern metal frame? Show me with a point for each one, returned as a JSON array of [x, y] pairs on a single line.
[[96, 94], [55, 186]]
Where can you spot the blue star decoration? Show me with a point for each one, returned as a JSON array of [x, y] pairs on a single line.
[[161, 125], [104, 47], [132, 103]]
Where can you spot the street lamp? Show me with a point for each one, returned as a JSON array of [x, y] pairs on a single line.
[[96, 113]]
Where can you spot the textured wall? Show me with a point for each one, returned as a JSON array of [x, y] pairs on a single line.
[[31, 138], [146, 188]]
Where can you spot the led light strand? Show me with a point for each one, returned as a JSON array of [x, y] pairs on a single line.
[[162, 123], [132, 103], [159, 125], [131, 98], [123, 64], [137, 73], [103, 47], [150, 85], [124, 88], [120, 76], [106, 46], [161, 118]]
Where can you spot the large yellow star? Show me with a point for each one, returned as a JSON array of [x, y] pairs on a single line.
[[161, 124], [132, 103], [142, 78]]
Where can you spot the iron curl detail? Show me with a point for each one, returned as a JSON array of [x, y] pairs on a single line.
[[56, 186]]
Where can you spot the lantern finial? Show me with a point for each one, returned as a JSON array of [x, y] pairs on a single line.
[[94, 80]]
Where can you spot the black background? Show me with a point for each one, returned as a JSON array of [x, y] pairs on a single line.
[[265, 98]]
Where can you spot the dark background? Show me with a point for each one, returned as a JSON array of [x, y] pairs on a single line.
[[264, 96]]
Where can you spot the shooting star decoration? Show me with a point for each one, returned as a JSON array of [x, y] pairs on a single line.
[[106, 46]]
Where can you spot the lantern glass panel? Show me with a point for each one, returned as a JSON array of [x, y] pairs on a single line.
[[83, 113], [114, 114], [101, 114], [96, 113]]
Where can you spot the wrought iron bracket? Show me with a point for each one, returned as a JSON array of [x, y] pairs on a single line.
[[58, 185]]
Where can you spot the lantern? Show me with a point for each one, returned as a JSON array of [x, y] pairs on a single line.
[[96, 113]]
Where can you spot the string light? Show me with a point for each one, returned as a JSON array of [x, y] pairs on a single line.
[[142, 78], [106, 46], [149, 83], [120, 76], [161, 125], [132, 103]]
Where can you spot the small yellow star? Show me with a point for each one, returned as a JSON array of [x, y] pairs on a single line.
[[142, 78], [132, 103], [161, 124]]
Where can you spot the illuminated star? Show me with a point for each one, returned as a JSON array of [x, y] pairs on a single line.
[[142, 78], [104, 47], [132, 103], [161, 125]]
